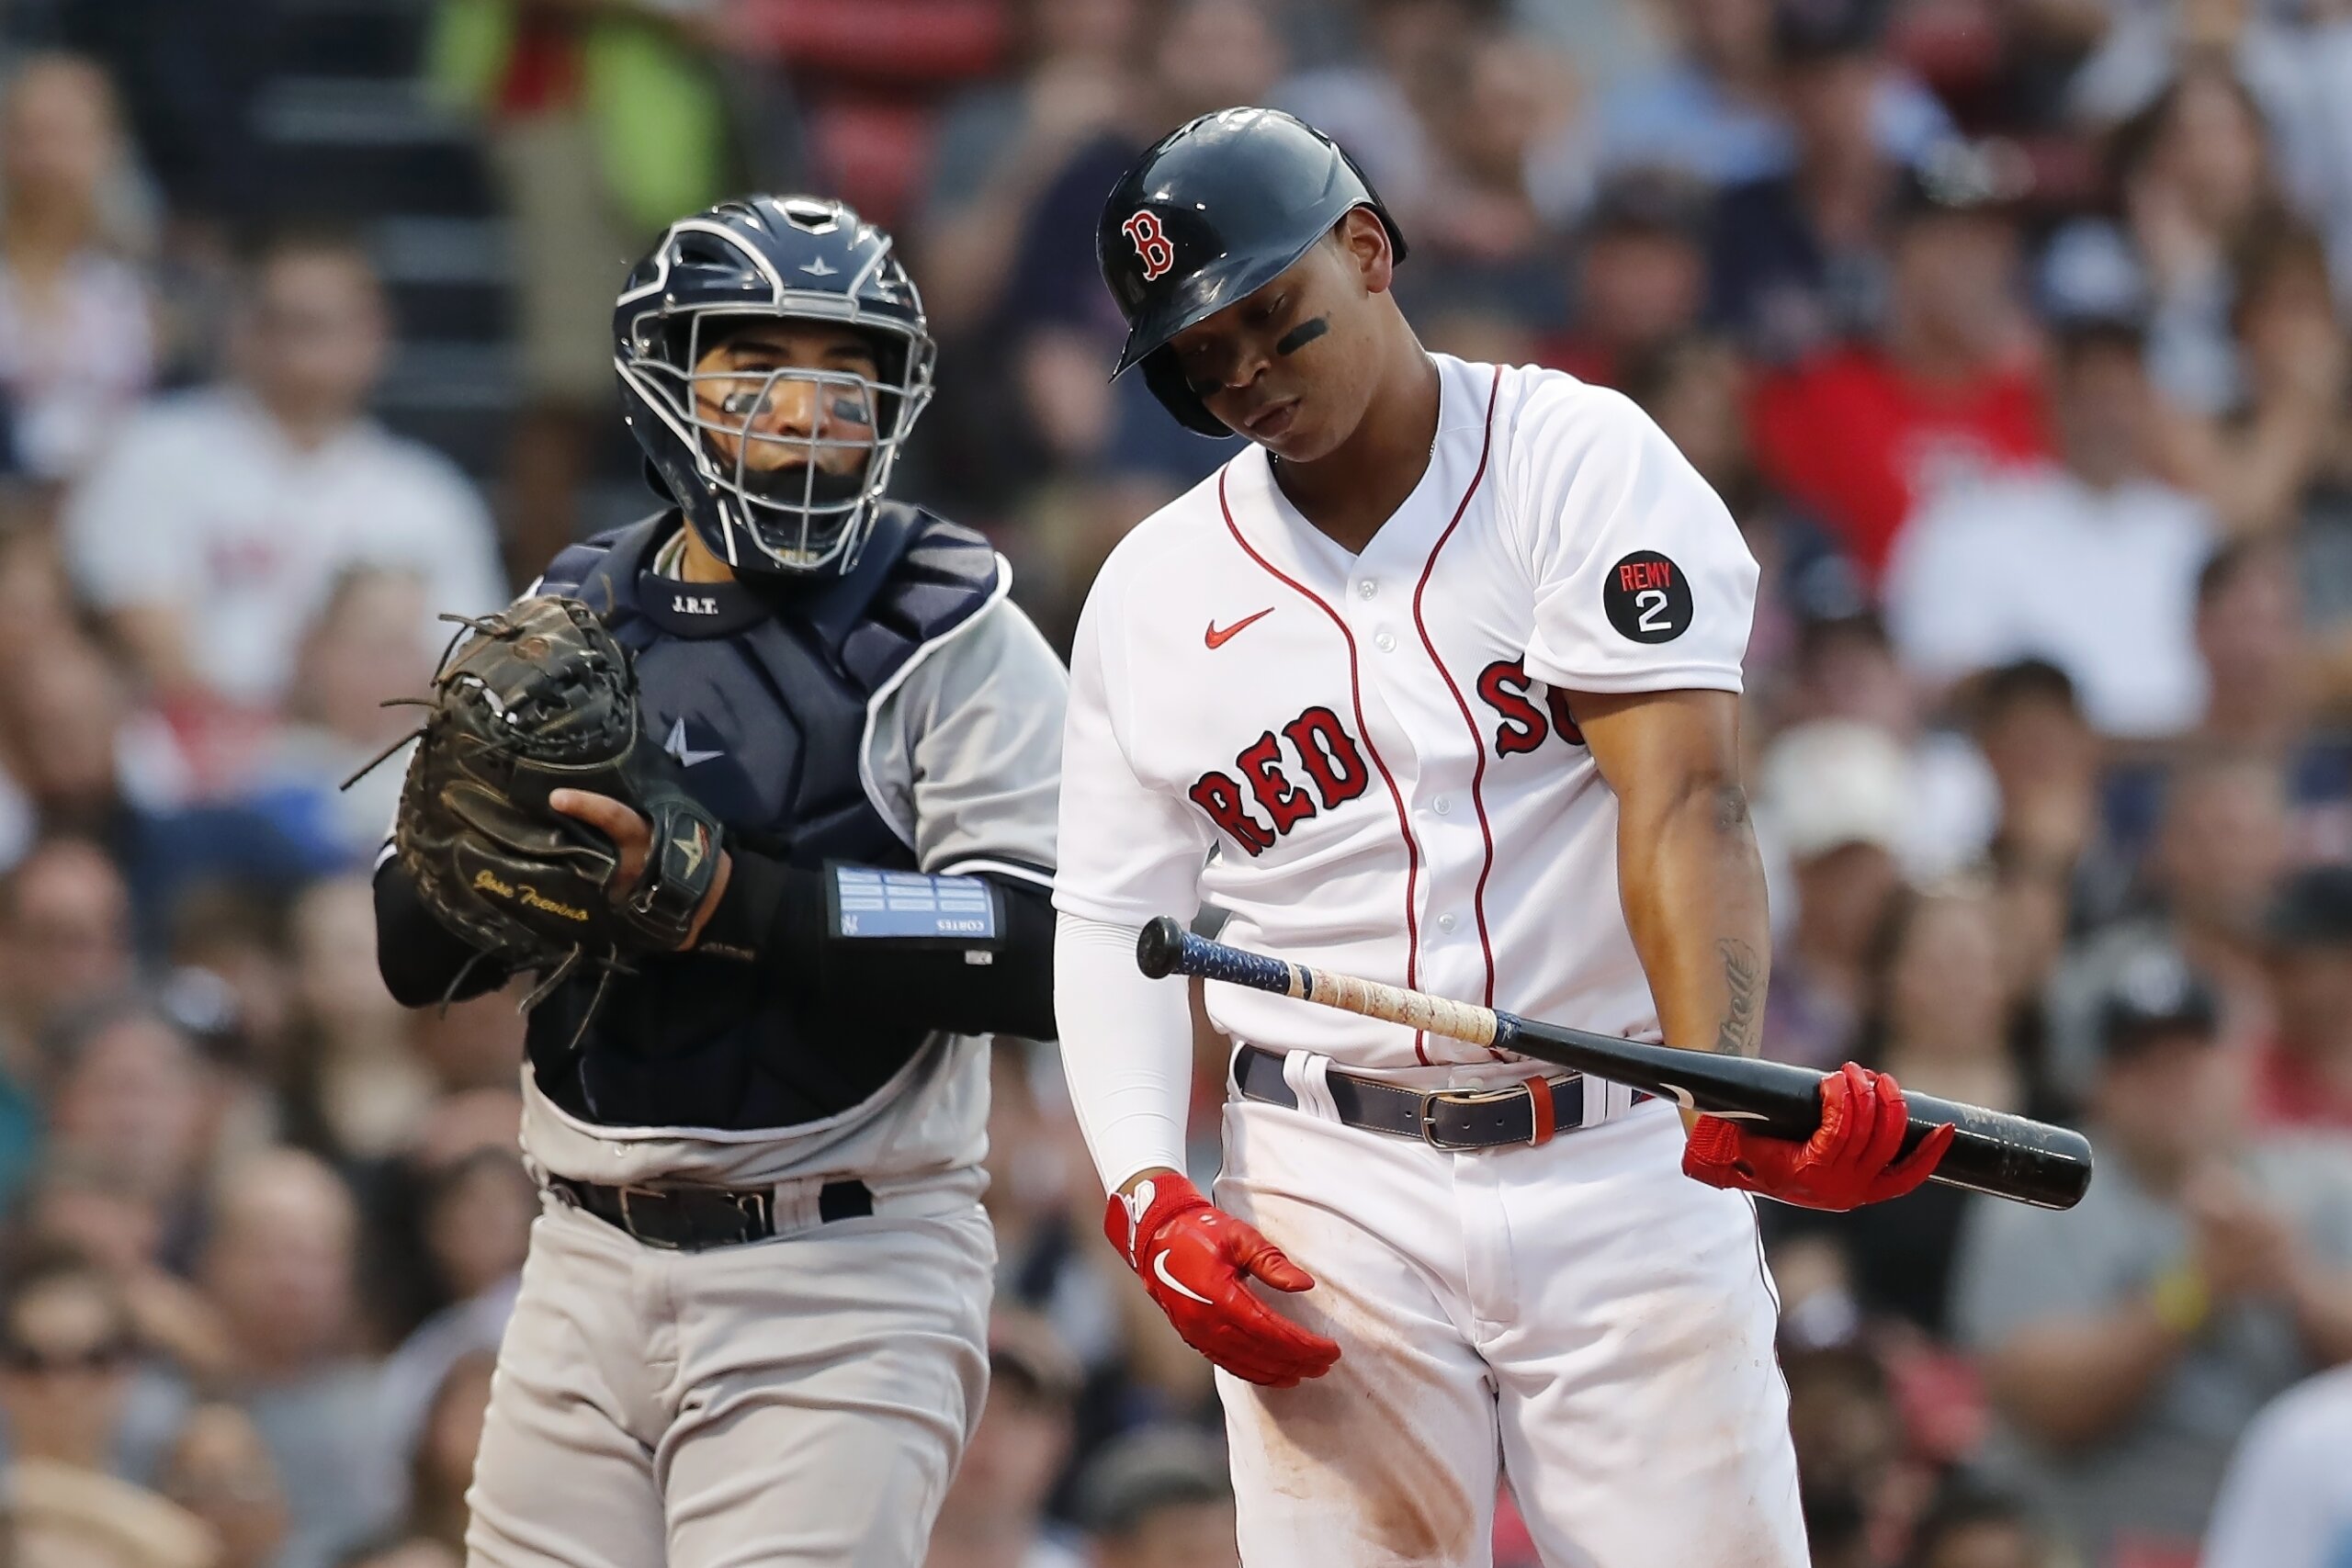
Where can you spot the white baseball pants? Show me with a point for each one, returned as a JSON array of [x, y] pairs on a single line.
[[800, 1402], [1581, 1318]]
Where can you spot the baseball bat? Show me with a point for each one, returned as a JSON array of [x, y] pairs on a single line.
[[1991, 1152]]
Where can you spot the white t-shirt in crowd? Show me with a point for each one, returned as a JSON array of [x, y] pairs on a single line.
[[2102, 584], [2287, 1501], [204, 505], [73, 365]]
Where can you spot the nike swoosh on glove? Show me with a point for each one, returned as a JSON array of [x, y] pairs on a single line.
[[1196, 1261], [1850, 1161]]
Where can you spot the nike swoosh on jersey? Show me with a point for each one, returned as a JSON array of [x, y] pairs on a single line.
[[1217, 638], [1160, 1268]]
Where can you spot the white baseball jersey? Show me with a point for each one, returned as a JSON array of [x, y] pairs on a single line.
[[1375, 746], [1367, 759]]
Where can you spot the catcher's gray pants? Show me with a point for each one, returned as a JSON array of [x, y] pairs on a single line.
[[801, 1401]]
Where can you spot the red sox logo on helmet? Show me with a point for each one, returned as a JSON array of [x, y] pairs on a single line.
[[1151, 243]]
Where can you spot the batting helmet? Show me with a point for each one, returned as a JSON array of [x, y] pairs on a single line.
[[1213, 212], [790, 258]]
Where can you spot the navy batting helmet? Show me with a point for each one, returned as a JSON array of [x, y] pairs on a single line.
[[1215, 212], [774, 258]]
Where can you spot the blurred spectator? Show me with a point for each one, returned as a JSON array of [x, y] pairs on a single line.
[[1716, 109], [1968, 1527], [397, 1551], [1511, 172], [2220, 849], [1695, 387], [993, 1514], [1844, 668], [1382, 102], [126, 1089], [1849, 1446], [1944, 394], [65, 937], [1942, 1017], [476, 1224], [84, 1207], [442, 1466], [214, 530], [76, 328], [2193, 182], [2092, 565], [603, 122], [1799, 251], [2260, 460], [1160, 1497], [1055, 331], [2128, 1341], [2045, 761], [60, 1516], [1641, 278], [279, 1263], [71, 1386], [219, 1470], [2287, 1499], [357, 1088], [1833, 798], [2303, 1072], [361, 652], [1002, 143]]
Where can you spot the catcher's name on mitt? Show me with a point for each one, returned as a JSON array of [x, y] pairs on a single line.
[[538, 698], [486, 881]]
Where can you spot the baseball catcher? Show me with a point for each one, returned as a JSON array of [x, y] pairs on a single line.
[[762, 790]]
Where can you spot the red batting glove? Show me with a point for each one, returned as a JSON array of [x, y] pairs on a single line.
[[1848, 1161], [1196, 1261]]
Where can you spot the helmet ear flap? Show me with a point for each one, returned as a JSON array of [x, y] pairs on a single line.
[[1167, 382]]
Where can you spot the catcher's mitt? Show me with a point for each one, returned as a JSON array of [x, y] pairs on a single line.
[[538, 698]]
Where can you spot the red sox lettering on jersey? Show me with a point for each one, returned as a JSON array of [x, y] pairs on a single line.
[[1381, 748]]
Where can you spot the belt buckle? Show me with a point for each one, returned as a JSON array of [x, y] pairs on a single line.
[[1429, 1119], [757, 1207], [628, 1219]]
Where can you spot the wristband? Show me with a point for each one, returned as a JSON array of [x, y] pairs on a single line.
[[2180, 1298]]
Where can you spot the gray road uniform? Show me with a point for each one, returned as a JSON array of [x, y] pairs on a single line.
[[752, 1324]]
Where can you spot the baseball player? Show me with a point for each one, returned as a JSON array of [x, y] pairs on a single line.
[[1435, 683], [752, 1324]]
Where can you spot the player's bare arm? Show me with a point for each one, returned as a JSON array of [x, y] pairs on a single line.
[[1694, 892], [1691, 882]]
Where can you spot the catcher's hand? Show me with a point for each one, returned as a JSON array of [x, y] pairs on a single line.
[[633, 836], [541, 700]]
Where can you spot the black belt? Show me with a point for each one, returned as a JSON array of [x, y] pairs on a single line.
[[679, 1217], [1527, 1112]]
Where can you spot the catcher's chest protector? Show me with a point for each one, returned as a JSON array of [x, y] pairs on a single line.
[[763, 699], [766, 711]]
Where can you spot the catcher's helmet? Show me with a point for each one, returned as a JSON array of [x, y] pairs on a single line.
[[1213, 211], [796, 258]]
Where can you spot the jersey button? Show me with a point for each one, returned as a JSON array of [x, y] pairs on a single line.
[[1441, 805], [1385, 642], [1366, 588], [1445, 922]]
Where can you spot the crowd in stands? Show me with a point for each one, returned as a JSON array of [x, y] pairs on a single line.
[[2013, 333]]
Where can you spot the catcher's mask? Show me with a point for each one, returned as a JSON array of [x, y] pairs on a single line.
[[751, 481]]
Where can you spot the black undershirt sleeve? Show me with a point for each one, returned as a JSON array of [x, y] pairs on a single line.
[[777, 914], [423, 961], [776, 917]]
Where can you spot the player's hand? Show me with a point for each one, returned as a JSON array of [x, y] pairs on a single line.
[[1850, 1161], [632, 835], [1196, 1261]]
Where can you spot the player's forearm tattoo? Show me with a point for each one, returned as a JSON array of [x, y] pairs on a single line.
[[1743, 1014]]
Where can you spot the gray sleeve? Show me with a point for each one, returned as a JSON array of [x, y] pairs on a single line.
[[964, 757], [2018, 1265]]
